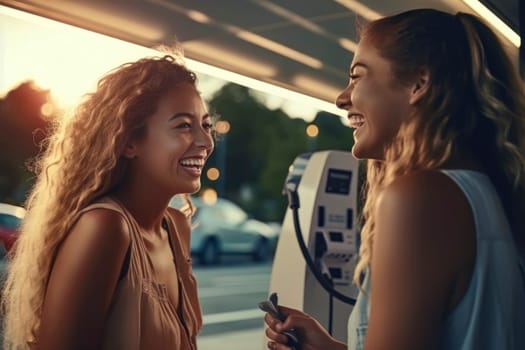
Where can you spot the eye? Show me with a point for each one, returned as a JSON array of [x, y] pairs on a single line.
[[209, 127], [184, 125], [354, 77]]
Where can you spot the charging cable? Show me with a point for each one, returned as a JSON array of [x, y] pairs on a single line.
[[326, 283]]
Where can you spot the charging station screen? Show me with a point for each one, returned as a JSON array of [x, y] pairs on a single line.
[[338, 181], [336, 236]]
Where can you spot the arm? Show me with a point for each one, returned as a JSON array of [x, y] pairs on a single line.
[[423, 254], [82, 282]]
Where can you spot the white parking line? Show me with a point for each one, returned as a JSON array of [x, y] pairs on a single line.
[[229, 291], [246, 278], [234, 340], [231, 316]]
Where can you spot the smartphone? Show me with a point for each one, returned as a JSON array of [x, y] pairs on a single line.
[[271, 306]]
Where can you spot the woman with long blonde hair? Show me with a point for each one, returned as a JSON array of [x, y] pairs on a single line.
[[102, 262], [439, 113]]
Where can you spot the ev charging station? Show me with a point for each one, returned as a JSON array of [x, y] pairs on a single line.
[[322, 189]]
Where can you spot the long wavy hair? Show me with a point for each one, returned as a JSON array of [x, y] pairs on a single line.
[[475, 106], [83, 161]]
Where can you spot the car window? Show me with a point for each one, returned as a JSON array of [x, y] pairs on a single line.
[[209, 213], [232, 213], [9, 221], [220, 212]]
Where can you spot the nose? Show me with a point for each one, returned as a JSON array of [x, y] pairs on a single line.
[[203, 139], [344, 101]]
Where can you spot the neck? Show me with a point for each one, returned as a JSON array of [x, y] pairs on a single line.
[[467, 161], [147, 207]]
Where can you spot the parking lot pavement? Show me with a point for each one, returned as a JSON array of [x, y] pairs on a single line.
[[240, 340]]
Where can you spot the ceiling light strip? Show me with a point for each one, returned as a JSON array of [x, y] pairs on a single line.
[[485, 13], [360, 9], [292, 17], [279, 48], [265, 87]]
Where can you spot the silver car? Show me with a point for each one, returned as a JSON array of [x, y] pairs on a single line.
[[223, 228]]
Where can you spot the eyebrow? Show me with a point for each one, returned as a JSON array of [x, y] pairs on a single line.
[[187, 114]]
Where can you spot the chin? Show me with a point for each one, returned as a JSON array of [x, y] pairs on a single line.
[[358, 153], [195, 187], [189, 188]]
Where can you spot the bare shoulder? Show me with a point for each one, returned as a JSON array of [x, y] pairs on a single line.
[[106, 225], [422, 190], [426, 208], [100, 234]]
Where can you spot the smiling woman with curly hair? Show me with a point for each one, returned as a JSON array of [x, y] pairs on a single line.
[[102, 262]]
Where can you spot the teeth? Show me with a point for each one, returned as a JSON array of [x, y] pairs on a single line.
[[356, 120], [193, 162]]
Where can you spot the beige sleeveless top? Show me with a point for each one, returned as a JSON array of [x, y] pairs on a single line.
[[141, 316]]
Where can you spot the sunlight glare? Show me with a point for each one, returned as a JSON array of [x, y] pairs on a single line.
[[64, 59]]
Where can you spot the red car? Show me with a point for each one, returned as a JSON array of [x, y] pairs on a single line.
[[10, 219]]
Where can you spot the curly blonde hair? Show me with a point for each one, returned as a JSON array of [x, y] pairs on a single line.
[[82, 162], [475, 107]]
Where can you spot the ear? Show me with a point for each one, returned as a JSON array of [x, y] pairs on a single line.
[[420, 86], [130, 151]]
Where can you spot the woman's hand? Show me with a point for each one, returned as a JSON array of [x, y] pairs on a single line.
[[312, 335]]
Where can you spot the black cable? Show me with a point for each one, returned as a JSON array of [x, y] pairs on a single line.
[[293, 199]]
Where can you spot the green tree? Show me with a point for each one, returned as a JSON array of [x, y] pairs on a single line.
[[23, 126]]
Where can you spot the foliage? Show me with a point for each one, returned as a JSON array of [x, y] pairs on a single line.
[[22, 129]]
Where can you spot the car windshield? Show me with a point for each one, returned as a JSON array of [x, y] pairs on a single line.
[[222, 210]]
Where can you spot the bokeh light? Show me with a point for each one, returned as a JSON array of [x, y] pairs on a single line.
[[312, 130], [209, 196], [222, 127], [213, 174]]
